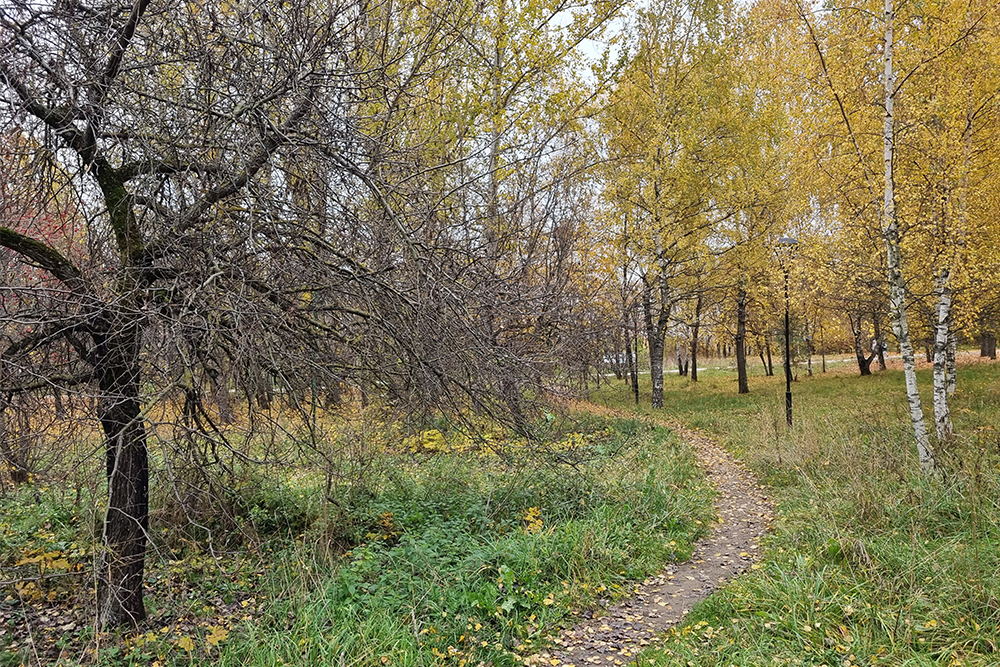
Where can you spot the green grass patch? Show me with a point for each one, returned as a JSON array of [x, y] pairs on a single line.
[[445, 552], [868, 562]]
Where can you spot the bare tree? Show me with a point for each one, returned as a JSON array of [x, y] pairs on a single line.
[[262, 213]]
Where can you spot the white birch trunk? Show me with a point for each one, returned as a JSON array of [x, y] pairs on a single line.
[[942, 344], [897, 287]]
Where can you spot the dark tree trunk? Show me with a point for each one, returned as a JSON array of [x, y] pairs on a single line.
[[694, 339], [122, 559], [11, 456], [741, 339], [769, 367], [220, 391], [988, 345], [822, 345], [879, 351], [60, 406], [864, 363], [632, 351]]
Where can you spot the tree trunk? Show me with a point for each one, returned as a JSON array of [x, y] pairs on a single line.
[[60, 406], [694, 339], [942, 327], [864, 363], [897, 285], [123, 554], [809, 350], [769, 367], [11, 456], [879, 350], [950, 369], [822, 345], [988, 345], [632, 351], [655, 343], [741, 339], [619, 365], [656, 330], [656, 371]]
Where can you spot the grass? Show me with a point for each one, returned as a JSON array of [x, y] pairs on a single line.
[[443, 554], [435, 550], [868, 562]]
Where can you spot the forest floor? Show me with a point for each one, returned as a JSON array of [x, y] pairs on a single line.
[[451, 553]]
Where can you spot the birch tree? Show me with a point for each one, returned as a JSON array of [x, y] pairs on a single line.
[[668, 127]]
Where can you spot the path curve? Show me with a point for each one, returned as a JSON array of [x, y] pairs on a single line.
[[617, 635]]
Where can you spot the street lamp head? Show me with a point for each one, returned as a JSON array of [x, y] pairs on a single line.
[[787, 241]]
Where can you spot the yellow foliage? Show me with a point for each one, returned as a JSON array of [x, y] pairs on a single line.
[[428, 441], [532, 520]]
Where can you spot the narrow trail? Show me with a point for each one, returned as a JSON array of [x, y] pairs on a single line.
[[617, 635]]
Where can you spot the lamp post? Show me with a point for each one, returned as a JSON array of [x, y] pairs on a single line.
[[786, 245]]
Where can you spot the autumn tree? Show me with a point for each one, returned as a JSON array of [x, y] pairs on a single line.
[[668, 125], [882, 180], [284, 199]]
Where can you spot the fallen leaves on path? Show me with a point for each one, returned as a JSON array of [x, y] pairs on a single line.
[[743, 513]]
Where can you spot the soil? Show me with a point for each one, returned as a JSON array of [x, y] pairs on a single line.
[[616, 636]]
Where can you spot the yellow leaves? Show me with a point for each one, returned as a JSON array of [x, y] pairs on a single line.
[[532, 520], [386, 528], [549, 600], [28, 591], [434, 441], [185, 643], [217, 635], [28, 561], [50, 560]]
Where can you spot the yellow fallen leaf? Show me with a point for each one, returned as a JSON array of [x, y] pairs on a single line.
[[185, 643], [217, 636], [29, 561]]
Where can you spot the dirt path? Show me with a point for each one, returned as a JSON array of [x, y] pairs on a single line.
[[617, 636]]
